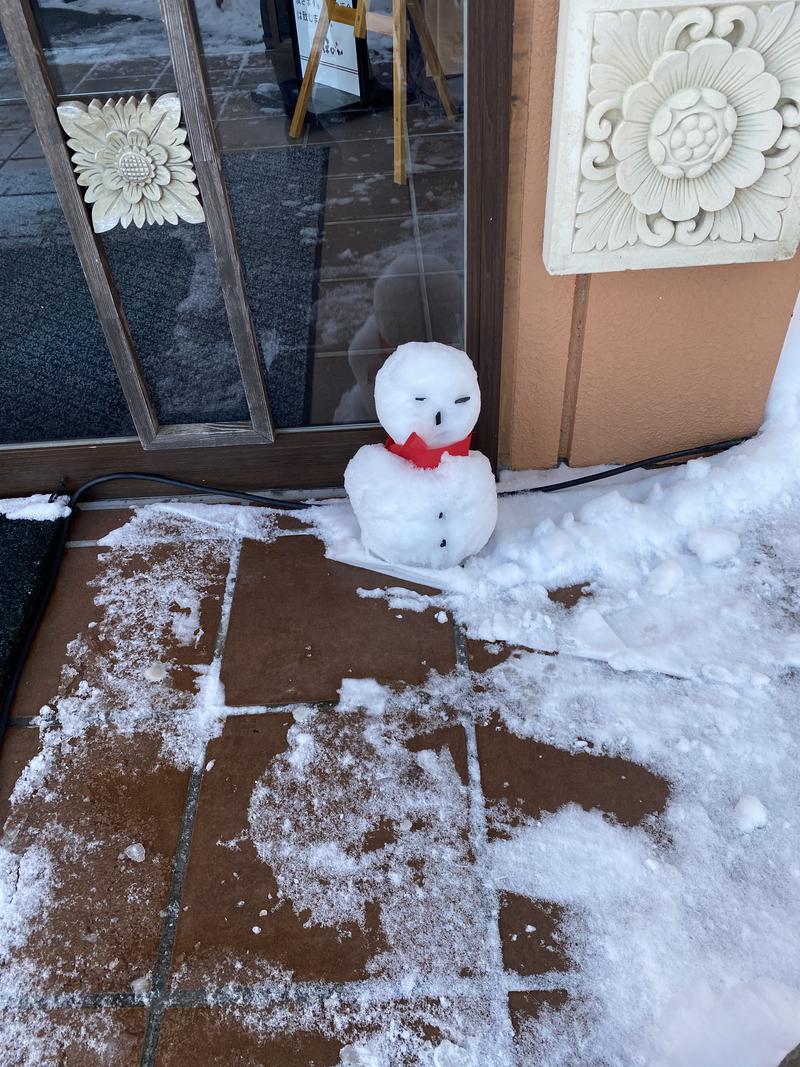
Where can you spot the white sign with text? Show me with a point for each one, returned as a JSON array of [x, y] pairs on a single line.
[[339, 64]]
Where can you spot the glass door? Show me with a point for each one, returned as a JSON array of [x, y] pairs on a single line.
[[266, 197]]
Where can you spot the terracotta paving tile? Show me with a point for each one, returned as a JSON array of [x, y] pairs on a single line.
[[95, 523], [101, 794], [17, 749], [86, 1038], [175, 638], [229, 889], [529, 934], [450, 737], [483, 655], [214, 930], [295, 1033], [298, 627], [522, 777], [525, 1006], [69, 612], [199, 569], [570, 595], [215, 1038]]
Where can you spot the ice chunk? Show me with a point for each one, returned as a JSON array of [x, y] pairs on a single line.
[[665, 577], [750, 814], [714, 544], [135, 852], [156, 672]]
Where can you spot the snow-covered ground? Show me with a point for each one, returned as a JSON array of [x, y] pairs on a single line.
[[684, 658], [232, 26], [694, 577]]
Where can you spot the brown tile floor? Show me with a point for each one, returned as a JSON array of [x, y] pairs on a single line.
[[199, 919], [324, 631]]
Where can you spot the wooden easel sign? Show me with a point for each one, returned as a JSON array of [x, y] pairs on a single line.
[[338, 66]]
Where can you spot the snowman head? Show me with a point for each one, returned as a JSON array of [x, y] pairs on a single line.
[[428, 389]]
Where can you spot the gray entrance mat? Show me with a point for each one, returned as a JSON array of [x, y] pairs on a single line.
[[59, 382], [27, 548]]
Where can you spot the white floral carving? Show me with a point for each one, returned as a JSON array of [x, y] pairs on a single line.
[[131, 157], [692, 127]]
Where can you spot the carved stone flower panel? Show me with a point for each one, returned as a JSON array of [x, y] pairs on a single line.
[[131, 157], [686, 146]]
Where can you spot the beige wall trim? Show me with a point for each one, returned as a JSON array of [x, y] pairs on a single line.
[[574, 358], [614, 366]]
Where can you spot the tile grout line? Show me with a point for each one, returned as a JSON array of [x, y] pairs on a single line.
[[280, 992], [159, 1000], [480, 842]]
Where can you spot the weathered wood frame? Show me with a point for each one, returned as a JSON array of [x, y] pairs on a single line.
[[311, 457], [26, 50]]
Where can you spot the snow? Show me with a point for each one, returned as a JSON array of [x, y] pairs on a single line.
[[713, 546], [428, 389], [39, 507], [750, 814], [750, 1024], [683, 657], [428, 516], [662, 552], [683, 933], [446, 1054], [233, 25]]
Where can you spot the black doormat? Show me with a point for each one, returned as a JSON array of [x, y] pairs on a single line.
[[27, 547], [59, 383]]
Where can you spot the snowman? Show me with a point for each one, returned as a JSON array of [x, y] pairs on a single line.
[[423, 499]]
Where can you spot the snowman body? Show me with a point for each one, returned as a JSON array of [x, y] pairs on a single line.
[[424, 499]]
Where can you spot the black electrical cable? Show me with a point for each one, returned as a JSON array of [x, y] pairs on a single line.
[[640, 464], [274, 503]]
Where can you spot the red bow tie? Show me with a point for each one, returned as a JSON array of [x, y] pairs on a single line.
[[417, 452]]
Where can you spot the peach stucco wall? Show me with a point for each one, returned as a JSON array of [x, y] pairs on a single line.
[[613, 367]]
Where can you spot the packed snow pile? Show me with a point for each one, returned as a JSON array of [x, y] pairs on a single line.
[[684, 942], [663, 553], [40, 508]]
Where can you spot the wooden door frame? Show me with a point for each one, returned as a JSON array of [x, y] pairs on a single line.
[[311, 458]]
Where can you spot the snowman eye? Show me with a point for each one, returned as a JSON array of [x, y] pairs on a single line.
[[462, 400], [423, 398]]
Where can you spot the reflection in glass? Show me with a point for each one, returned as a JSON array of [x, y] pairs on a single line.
[[342, 263], [165, 275], [172, 299], [58, 381]]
